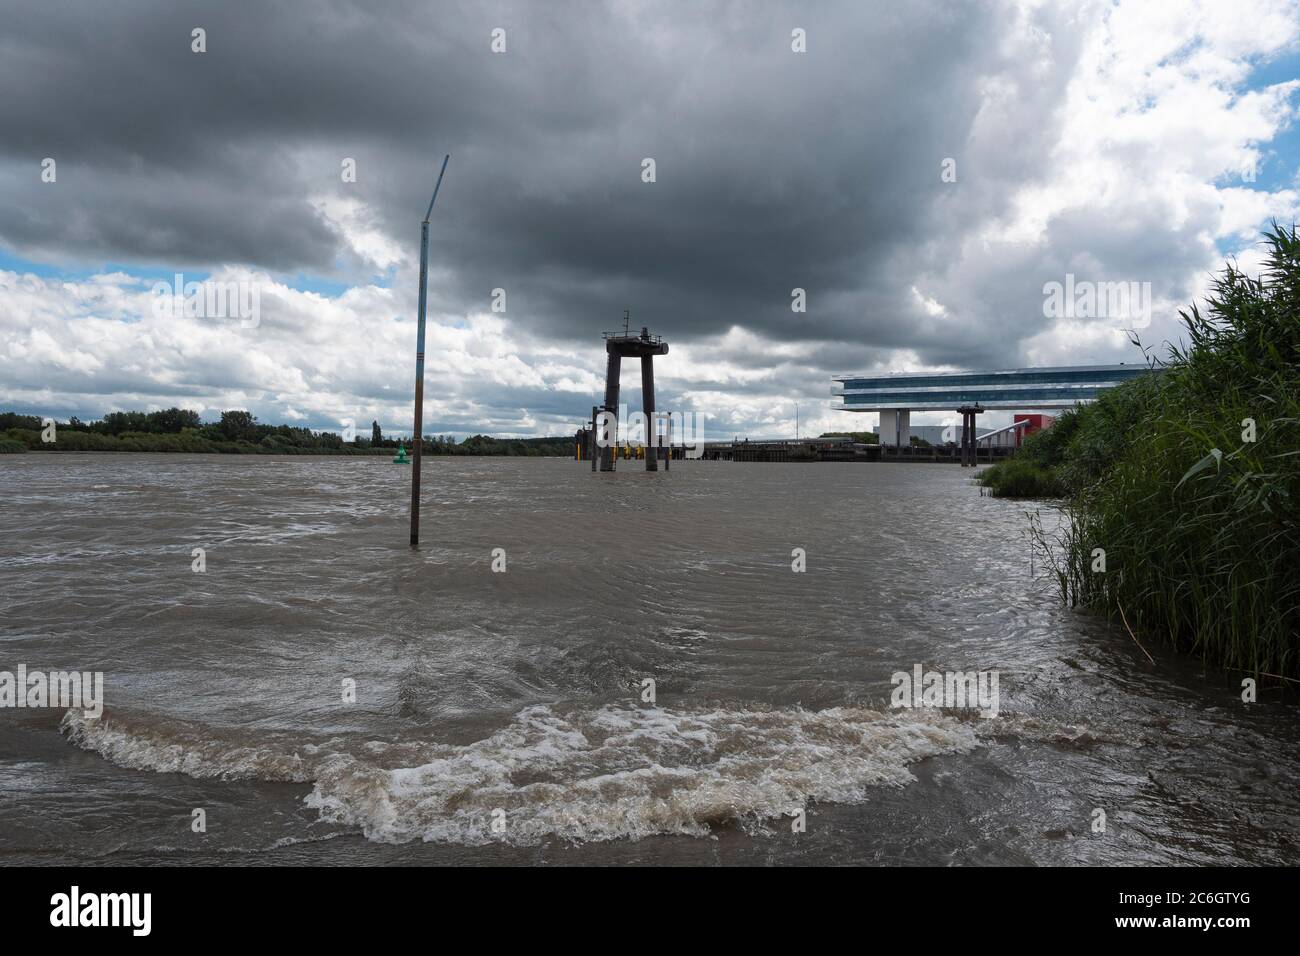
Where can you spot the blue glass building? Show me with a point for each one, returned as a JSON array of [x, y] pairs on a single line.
[[895, 395]]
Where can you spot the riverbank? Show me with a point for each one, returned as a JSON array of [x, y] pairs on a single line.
[[220, 448], [19, 441], [238, 432], [1181, 488]]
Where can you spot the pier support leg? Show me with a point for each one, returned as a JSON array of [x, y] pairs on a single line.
[[896, 427], [612, 368], [648, 406], [969, 436]]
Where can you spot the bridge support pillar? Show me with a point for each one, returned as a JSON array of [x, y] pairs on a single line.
[[896, 427]]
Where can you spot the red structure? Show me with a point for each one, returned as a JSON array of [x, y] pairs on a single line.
[[1036, 424]]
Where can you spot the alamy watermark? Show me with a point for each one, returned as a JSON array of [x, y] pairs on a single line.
[[957, 690], [130, 910], [1125, 304], [233, 299], [83, 690], [636, 428]]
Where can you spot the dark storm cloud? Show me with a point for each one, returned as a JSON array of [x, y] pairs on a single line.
[[775, 170]]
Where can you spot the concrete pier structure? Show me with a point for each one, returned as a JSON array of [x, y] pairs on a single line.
[[896, 427], [969, 448], [627, 345]]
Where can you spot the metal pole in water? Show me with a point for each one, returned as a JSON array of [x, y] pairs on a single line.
[[668, 429], [648, 406], [419, 362]]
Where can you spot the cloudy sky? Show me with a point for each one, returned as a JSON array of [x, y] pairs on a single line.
[[1130, 141]]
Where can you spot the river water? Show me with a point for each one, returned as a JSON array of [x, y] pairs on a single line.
[[500, 717]]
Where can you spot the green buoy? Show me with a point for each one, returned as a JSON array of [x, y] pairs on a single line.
[[400, 458]]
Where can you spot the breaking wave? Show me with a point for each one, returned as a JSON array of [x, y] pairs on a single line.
[[617, 772]]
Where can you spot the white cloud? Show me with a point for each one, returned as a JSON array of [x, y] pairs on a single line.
[[1140, 124]]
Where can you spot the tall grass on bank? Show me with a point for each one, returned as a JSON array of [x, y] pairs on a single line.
[[1021, 478], [1184, 485], [1034, 472]]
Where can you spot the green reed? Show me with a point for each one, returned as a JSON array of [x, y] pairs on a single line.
[[1196, 520]]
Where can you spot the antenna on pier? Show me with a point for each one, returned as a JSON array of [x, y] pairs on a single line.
[[627, 318]]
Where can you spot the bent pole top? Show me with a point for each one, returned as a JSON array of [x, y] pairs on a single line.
[[436, 187]]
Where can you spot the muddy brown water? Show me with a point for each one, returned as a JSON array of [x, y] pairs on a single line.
[[501, 717]]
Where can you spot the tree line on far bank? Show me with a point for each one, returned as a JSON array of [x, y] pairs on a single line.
[[240, 433]]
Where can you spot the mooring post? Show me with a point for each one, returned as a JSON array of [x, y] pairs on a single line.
[[666, 454], [613, 366], [668, 430], [419, 362], [648, 403], [969, 438], [644, 346]]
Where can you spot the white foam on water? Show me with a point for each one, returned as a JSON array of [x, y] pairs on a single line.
[[176, 747], [617, 772]]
